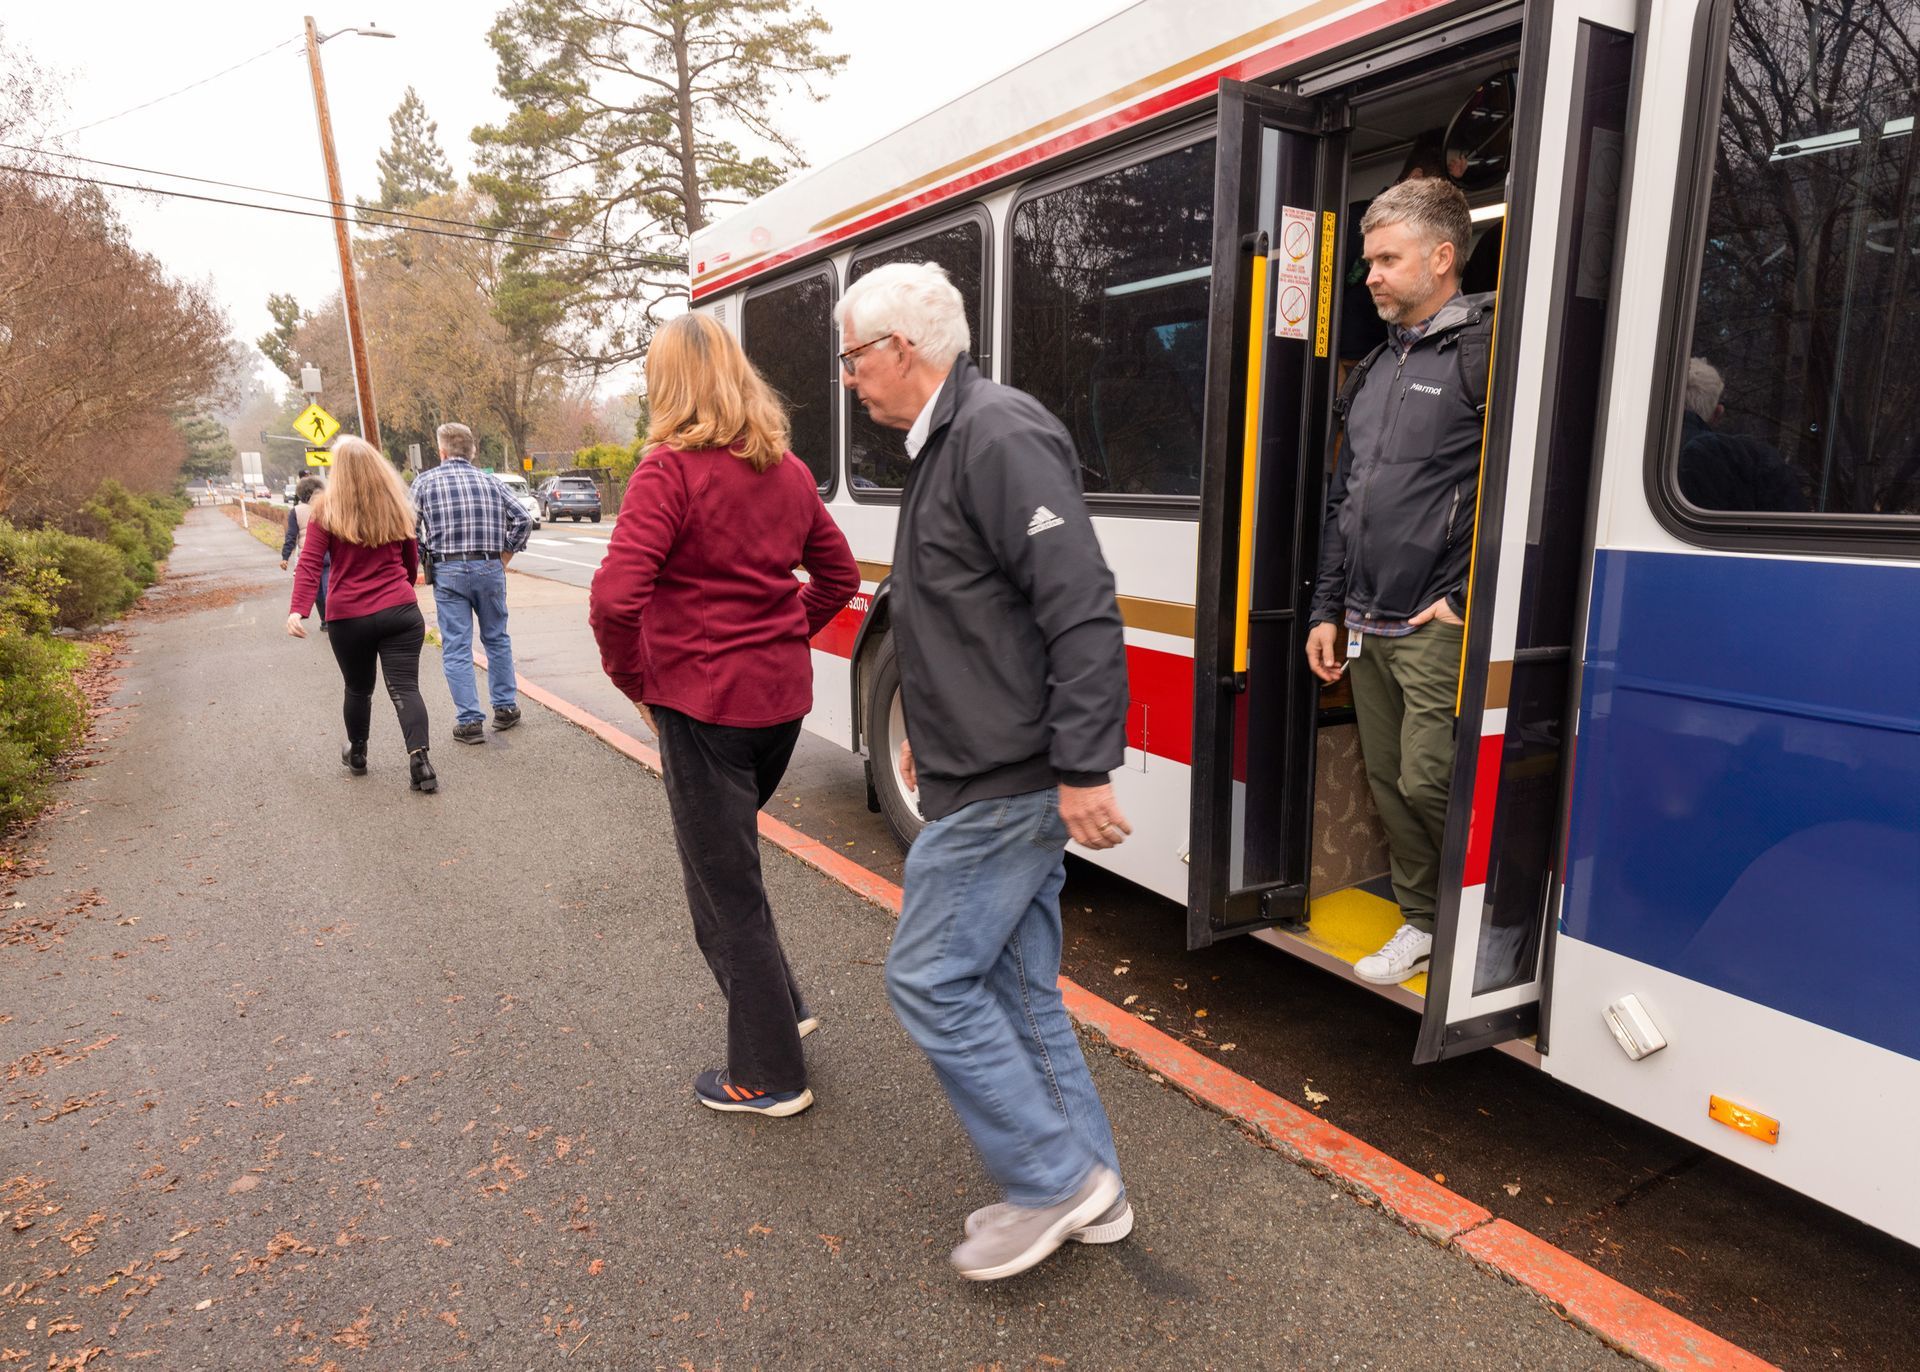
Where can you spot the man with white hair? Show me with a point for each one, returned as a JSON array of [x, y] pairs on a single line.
[[1390, 601], [1013, 679]]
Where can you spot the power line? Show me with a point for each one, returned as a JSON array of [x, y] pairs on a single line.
[[286, 43], [506, 238], [523, 235]]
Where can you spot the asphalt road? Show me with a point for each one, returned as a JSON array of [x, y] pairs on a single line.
[[309, 1070], [1783, 1276], [567, 552]]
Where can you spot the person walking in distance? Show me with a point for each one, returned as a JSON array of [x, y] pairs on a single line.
[[297, 519], [702, 624], [362, 520], [1389, 603], [470, 528], [1013, 678]]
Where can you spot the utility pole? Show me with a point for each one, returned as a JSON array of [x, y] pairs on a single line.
[[349, 290]]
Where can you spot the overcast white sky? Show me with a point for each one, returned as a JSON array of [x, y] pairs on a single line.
[[255, 125]]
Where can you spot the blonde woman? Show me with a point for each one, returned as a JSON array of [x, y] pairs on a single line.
[[702, 623], [365, 522]]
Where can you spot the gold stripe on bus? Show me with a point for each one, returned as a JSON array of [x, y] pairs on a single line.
[[1136, 612], [1499, 684], [730, 264], [1166, 76]]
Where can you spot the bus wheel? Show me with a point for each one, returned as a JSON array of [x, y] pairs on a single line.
[[886, 726]]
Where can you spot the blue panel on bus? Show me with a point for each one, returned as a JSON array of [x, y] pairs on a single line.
[[1746, 797]]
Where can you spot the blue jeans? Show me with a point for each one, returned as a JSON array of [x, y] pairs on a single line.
[[462, 593], [974, 976]]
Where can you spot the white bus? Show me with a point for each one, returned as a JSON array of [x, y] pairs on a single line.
[[1706, 575]]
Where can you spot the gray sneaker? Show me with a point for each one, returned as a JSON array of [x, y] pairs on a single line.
[[1014, 1238], [1111, 1227]]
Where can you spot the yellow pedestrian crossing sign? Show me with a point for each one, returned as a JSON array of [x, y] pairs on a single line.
[[316, 424], [319, 457]]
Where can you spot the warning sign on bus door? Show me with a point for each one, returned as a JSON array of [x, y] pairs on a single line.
[[1293, 273]]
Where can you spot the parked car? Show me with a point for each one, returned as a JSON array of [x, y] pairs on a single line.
[[574, 497], [288, 492], [517, 487]]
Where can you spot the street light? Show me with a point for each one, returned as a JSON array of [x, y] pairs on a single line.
[[349, 290]]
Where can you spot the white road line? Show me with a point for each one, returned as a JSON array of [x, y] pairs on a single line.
[[570, 561], [549, 542], [584, 538]]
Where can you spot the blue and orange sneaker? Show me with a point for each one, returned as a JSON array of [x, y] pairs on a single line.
[[717, 1093]]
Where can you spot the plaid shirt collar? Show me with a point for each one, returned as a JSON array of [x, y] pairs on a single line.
[[1406, 335]]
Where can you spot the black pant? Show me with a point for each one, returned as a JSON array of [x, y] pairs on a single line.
[[391, 637], [717, 780]]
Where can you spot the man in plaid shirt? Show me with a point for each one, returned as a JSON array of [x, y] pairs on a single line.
[[470, 528]]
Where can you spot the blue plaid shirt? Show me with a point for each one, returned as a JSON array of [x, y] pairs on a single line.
[[465, 510]]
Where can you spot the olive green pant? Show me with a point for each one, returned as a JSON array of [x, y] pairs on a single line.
[[1403, 694]]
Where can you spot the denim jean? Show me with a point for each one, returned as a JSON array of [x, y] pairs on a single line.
[[974, 976], [462, 593]]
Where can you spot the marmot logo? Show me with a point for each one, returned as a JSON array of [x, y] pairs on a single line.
[[1424, 388]]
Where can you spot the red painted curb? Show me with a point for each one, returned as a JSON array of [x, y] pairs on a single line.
[[1621, 1316], [1596, 1302]]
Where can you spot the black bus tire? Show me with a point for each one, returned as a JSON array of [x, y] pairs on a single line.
[[885, 727]]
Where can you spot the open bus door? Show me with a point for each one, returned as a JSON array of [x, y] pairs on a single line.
[[1279, 179], [1504, 857]]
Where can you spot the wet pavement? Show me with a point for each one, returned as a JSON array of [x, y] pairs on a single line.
[[309, 1070], [1768, 1269]]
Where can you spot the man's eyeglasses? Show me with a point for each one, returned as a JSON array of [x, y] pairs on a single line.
[[847, 362]]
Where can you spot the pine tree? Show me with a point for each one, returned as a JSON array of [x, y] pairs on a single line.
[[277, 344], [210, 451], [634, 123], [414, 166]]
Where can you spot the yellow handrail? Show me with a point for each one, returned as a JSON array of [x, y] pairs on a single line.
[[1250, 455]]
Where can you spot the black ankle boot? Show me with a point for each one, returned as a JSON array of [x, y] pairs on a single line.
[[355, 756], [423, 774]]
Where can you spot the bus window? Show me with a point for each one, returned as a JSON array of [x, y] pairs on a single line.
[[787, 332], [876, 459], [1109, 325], [1800, 389]]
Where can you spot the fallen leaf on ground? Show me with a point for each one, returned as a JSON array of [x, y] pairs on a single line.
[[1512, 1188], [1317, 1097]]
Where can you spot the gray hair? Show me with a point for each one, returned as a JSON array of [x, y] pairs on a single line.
[[1432, 207], [455, 440], [1704, 387], [912, 299]]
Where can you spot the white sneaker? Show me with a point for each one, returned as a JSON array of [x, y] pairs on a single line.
[[1110, 1227], [1406, 954]]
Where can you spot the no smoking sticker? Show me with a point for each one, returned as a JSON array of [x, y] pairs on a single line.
[[1293, 273]]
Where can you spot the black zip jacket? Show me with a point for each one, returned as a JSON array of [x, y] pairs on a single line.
[[1013, 669], [1400, 508]]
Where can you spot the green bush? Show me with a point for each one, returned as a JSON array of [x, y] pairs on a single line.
[[139, 527], [617, 458], [43, 713], [95, 585]]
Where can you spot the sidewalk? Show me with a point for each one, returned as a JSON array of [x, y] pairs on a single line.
[[309, 1070]]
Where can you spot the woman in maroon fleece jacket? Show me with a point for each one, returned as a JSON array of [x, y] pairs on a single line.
[[364, 519], [702, 623]]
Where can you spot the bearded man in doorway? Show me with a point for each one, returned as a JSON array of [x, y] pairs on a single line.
[[1389, 606]]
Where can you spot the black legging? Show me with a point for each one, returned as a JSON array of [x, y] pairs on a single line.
[[392, 637]]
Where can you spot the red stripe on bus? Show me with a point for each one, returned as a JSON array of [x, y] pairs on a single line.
[[1486, 789], [1258, 64], [1159, 690], [837, 638]]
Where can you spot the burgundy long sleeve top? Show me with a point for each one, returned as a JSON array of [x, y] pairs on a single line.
[[696, 606], [364, 580]]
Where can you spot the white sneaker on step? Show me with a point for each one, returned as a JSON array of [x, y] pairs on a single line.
[[1404, 955]]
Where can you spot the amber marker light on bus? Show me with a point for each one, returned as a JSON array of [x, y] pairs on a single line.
[[1749, 1122]]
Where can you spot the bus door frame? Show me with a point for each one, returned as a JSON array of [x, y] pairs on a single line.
[[1264, 431], [1504, 852]]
